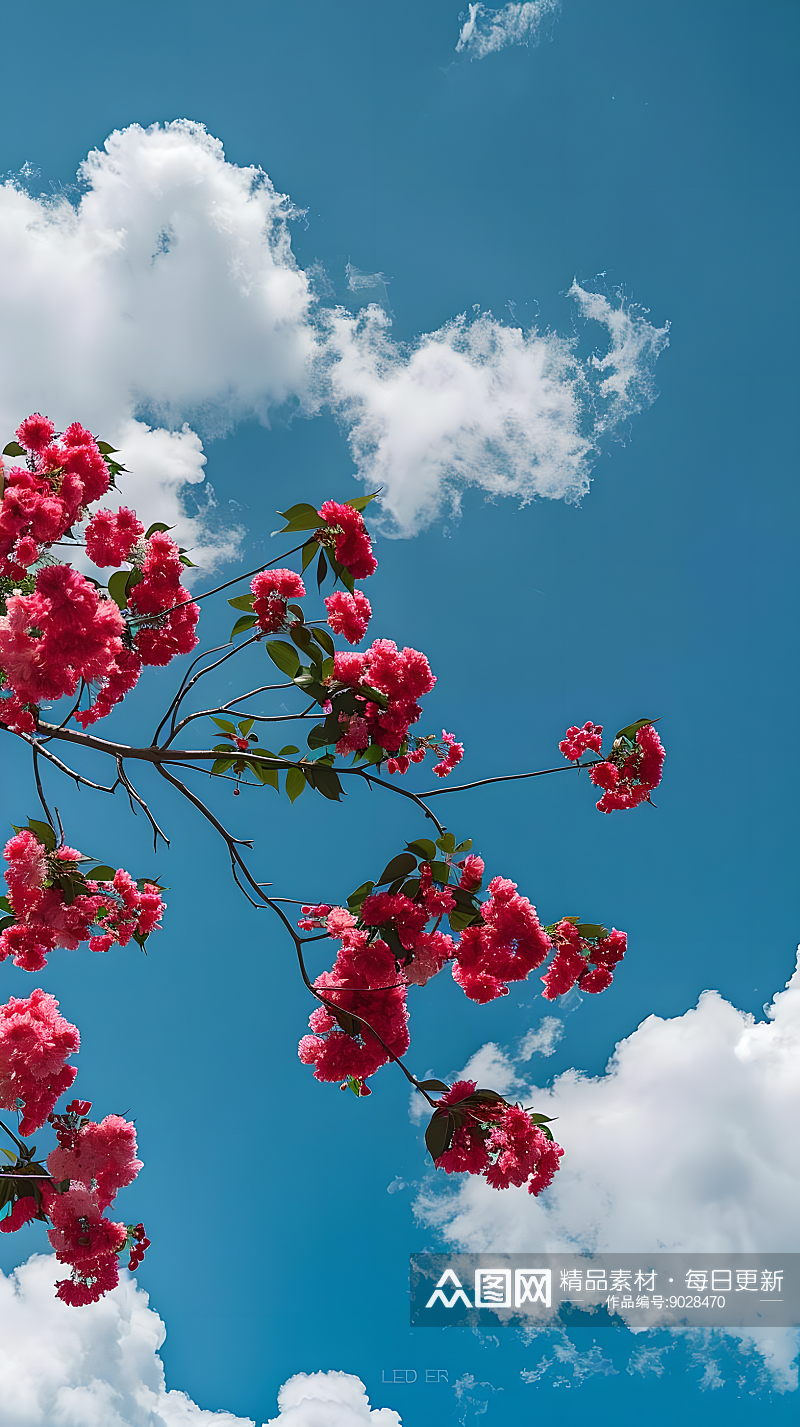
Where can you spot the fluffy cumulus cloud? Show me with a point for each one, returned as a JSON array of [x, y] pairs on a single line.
[[478, 403], [168, 294], [98, 1366], [683, 1143], [329, 1399], [484, 31], [164, 305]]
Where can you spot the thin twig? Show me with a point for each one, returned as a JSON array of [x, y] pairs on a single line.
[[39, 790], [134, 796], [237, 579], [508, 778]]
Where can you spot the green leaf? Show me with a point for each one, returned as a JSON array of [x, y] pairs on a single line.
[[226, 725], [157, 525], [309, 551], [440, 872], [348, 1023], [410, 888], [102, 874], [591, 930], [324, 780], [439, 1134], [374, 695], [459, 919], [5, 905], [392, 939], [319, 738], [245, 622], [295, 783], [242, 602], [423, 847], [541, 1119], [245, 725], [184, 559], [6, 922], [322, 569], [302, 638], [300, 517], [324, 640], [373, 754], [290, 748], [118, 588], [311, 687], [465, 846], [266, 775], [284, 656], [433, 1085], [44, 832], [399, 866], [14, 449], [342, 574], [446, 842], [106, 450], [362, 501], [632, 729], [297, 612], [357, 898], [221, 765]]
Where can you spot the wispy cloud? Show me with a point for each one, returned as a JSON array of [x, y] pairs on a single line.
[[478, 403], [165, 305], [484, 31]]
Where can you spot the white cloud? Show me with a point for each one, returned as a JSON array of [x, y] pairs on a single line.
[[542, 1040], [98, 1366], [168, 294], [479, 403], [681, 1144], [684, 1143], [485, 31], [328, 1399], [165, 306]]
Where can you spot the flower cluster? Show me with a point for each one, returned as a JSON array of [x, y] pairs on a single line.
[[507, 947], [363, 984], [111, 536], [42, 500], [632, 770], [271, 589], [53, 638], [348, 614], [346, 534], [399, 677], [576, 740], [164, 614], [53, 904], [392, 939], [35, 1042], [485, 1135], [583, 961], [96, 1160]]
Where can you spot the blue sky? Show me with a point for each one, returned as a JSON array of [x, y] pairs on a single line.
[[636, 150]]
